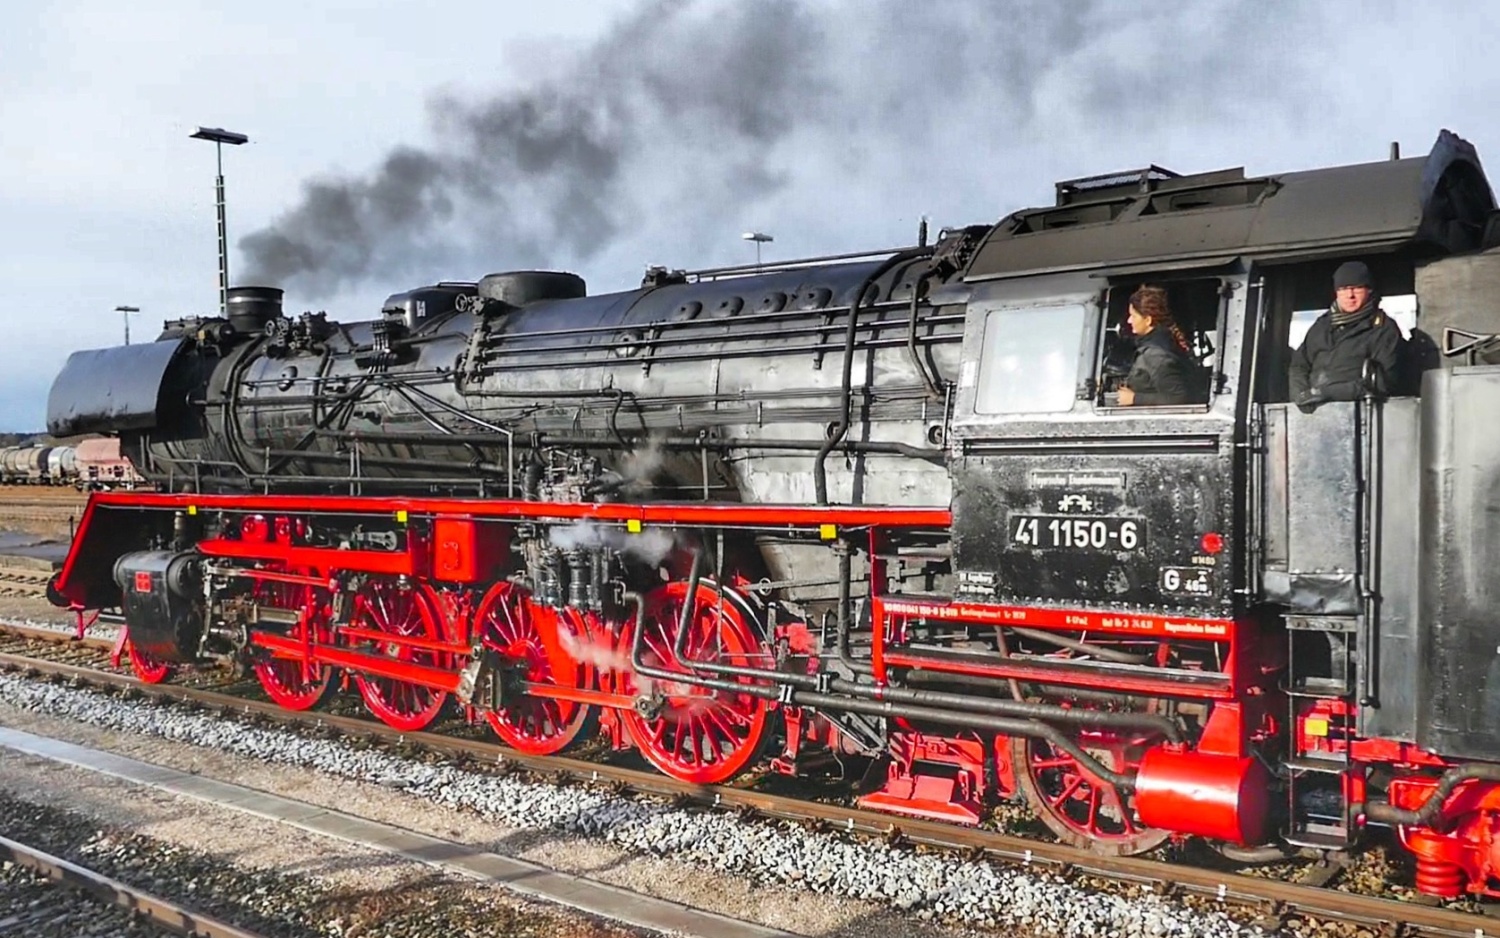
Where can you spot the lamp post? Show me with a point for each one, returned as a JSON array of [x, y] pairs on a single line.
[[220, 136], [126, 311], [759, 238]]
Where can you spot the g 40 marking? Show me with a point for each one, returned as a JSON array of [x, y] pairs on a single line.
[[1187, 581], [1052, 532]]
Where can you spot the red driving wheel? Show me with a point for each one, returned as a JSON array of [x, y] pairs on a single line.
[[546, 643], [293, 684], [386, 605], [693, 733]]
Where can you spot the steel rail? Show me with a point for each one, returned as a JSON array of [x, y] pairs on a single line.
[[1265, 898], [175, 918], [24, 582], [60, 635]]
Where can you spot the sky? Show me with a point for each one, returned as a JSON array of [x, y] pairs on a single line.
[[401, 143]]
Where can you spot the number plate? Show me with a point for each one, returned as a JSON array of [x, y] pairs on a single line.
[[1064, 532]]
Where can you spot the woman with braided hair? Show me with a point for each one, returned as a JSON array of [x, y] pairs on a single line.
[[1162, 373]]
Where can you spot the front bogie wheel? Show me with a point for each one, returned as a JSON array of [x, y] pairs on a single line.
[[148, 668]]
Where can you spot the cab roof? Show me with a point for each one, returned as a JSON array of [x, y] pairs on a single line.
[[1441, 201]]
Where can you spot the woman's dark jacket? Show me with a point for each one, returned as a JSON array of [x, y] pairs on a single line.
[[1162, 373]]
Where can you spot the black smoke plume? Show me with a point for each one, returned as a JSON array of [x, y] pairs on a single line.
[[538, 173], [690, 116]]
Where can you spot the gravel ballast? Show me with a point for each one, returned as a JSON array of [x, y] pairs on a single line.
[[924, 885], [32, 905], [273, 904]]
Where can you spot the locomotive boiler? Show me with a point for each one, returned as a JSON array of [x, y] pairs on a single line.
[[881, 514]]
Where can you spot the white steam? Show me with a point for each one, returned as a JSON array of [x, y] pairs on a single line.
[[651, 546]]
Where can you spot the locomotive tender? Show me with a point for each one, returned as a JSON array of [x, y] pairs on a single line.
[[878, 510]]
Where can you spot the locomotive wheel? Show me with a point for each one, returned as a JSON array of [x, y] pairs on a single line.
[[1082, 812], [696, 735], [148, 668], [293, 684], [509, 622], [382, 605]]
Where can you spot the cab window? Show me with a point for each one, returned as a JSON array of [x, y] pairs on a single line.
[[1296, 294], [1030, 360], [1402, 309], [1195, 307]]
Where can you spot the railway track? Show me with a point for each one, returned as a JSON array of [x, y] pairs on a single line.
[[28, 496], [23, 581], [1272, 902], [168, 916]]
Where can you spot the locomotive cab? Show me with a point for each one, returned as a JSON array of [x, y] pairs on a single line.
[[1230, 558], [1099, 503]]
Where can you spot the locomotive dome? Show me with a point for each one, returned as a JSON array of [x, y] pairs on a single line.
[[520, 287]]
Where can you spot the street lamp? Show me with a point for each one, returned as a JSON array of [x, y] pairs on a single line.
[[127, 310], [759, 238], [220, 136]]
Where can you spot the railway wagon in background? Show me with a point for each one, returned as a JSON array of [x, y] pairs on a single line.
[[100, 467], [25, 465], [60, 466], [880, 514]]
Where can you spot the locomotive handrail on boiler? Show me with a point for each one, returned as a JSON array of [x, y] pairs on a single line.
[[879, 514]]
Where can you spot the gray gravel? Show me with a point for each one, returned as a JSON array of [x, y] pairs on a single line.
[[928, 885], [32, 905], [268, 903]]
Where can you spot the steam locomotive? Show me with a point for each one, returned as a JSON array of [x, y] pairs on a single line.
[[877, 513]]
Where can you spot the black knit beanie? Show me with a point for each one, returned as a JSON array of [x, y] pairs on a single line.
[[1353, 274]]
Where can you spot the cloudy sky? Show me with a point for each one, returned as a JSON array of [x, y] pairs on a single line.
[[398, 143]]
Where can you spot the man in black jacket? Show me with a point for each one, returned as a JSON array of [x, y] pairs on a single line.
[[1330, 365]]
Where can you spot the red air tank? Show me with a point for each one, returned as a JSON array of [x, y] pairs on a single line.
[[1220, 797]]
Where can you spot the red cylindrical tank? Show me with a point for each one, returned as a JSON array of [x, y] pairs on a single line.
[[1220, 797]]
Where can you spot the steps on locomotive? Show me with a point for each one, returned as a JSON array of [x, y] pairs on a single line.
[[1315, 779], [1334, 838], [1321, 679], [1315, 795], [1308, 763]]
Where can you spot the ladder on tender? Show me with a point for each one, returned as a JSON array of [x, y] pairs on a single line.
[[1311, 770]]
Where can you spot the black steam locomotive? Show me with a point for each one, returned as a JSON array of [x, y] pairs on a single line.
[[882, 510]]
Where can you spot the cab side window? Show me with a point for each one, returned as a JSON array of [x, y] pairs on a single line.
[[1298, 294], [1163, 353]]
